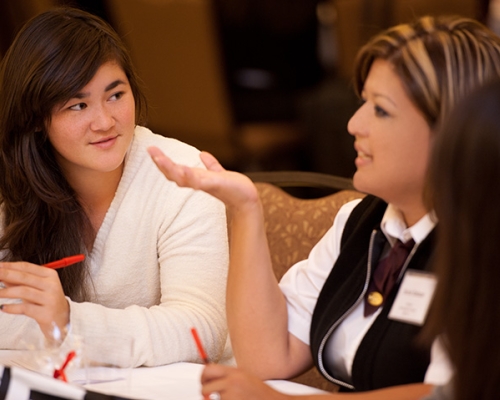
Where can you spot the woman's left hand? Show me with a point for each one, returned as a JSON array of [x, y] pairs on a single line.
[[41, 294], [233, 384]]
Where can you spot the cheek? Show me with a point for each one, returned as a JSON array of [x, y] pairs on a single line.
[[423, 160], [413, 161], [54, 133], [421, 147], [63, 133], [63, 147], [127, 113]]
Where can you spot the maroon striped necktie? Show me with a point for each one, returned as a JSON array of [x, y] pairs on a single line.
[[385, 275]]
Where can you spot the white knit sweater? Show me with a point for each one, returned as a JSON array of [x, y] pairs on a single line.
[[158, 267]]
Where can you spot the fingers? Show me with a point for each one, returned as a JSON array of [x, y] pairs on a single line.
[[39, 291], [27, 267], [163, 161], [211, 162], [234, 384], [213, 379], [235, 190], [155, 152], [21, 309], [24, 293], [29, 282], [213, 371], [171, 170], [23, 273], [184, 176]]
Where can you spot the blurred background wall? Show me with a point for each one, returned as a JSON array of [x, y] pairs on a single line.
[[262, 84]]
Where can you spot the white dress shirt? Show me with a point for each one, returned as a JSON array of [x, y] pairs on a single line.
[[303, 282]]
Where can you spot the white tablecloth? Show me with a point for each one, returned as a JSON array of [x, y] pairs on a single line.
[[169, 382]]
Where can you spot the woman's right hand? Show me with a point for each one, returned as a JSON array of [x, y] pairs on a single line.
[[40, 293], [235, 190], [234, 384]]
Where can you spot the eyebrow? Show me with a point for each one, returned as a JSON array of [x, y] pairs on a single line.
[[111, 86], [385, 97]]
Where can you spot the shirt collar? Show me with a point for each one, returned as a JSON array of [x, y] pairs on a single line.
[[394, 227]]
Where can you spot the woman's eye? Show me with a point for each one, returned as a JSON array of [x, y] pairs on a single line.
[[78, 107], [380, 112], [116, 96]]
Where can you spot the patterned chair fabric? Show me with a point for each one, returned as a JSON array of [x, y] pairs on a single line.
[[293, 227]]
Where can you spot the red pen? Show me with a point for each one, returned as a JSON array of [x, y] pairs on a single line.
[[64, 262], [59, 373], [201, 350]]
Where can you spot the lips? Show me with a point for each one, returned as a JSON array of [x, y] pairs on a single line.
[[102, 141], [361, 152], [363, 158], [106, 143]]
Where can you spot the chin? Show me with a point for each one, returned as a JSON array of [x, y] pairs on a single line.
[[363, 183], [358, 181]]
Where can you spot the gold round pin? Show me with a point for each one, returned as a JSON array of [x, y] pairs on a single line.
[[375, 299]]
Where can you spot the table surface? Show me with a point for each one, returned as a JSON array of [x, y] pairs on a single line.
[[174, 381]]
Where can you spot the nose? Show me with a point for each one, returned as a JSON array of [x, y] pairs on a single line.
[[102, 120], [356, 125]]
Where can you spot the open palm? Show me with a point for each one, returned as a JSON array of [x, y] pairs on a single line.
[[235, 190]]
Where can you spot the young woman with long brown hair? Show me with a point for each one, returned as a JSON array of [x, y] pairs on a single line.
[[76, 178]]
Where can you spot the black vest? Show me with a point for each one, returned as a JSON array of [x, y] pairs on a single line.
[[388, 355]]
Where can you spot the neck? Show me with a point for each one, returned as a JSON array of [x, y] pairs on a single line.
[[413, 214], [95, 192]]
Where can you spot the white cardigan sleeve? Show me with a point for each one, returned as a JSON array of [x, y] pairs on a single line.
[[192, 253], [158, 267], [159, 264]]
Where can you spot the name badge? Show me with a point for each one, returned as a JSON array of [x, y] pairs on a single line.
[[414, 297]]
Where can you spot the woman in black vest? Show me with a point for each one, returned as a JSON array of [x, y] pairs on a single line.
[[337, 309]]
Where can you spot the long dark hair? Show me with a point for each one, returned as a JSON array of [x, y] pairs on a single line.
[[51, 59], [464, 176]]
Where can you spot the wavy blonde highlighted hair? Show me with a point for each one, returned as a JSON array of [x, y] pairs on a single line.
[[438, 59]]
